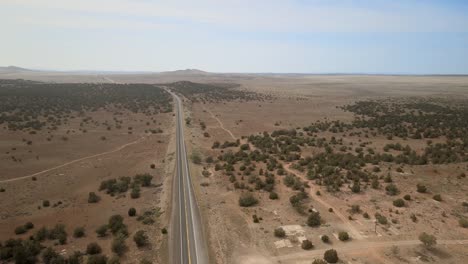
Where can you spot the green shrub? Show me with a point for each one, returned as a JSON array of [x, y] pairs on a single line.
[[164, 230], [381, 219], [118, 245], [392, 189], [29, 225], [325, 239], [437, 197], [273, 196], [45, 203], [93, 248], [421, 188], [102, 230], [143, 179], [196, 158], [407, 197], [93, 197], [41, 234], [428, 240], [413, 218], [399, 203], [306, 244], [314, 219], [49, 256], [135, 192], [131, 212], [331, 256], [79, 232], [20, 230], [116, 225], [343, 236], [140, 238], [279, 232], [247, 200], [319, 261], [463, 222]]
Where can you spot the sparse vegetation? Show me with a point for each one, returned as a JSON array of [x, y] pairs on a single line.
[[247, 200], [429, 241]]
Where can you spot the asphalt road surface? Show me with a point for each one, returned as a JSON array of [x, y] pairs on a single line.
[[188, 244]]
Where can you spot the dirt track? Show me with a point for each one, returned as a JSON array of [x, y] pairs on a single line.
[[357, 247], [75, 161]]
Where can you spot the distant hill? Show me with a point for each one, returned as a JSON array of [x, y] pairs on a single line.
[[187, 72], [14, 69]]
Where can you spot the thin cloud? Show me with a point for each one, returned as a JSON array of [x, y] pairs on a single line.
[[270, 16]]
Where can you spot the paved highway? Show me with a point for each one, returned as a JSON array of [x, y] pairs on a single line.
[[188, 244]]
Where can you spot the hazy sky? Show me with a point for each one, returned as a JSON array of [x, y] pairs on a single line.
[[315, 36]]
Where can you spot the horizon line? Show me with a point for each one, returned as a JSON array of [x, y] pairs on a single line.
[[115, 72]]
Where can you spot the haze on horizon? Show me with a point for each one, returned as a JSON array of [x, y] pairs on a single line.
[[408, 37]]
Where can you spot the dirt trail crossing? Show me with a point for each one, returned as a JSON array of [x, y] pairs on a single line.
[[220, 123], [355, 234], [75, 161]]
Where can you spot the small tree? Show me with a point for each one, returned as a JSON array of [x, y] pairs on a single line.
[[247, 200], [273, 196], [314, 219], [428, 241], [437, 197], [93, 248], [463, 222], [79, 232], [102, 230], [93, 198], [306, 244], [279, 232], [331, 256], [118, 245], [140, 238], [29, 225], [399, 203], [135, 192], [325, 239], [131, 212], [116, 225], [20, 230], [343, 236], [421, 188], [392, 189]]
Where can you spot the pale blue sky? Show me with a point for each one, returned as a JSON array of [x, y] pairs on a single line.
[[315, 36]]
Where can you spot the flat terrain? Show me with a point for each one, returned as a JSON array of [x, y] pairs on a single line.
[[48, 175], [336, 169], [299, 102]]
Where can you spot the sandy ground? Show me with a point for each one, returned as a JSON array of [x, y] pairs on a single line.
[[66, 171], [232, 235]]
